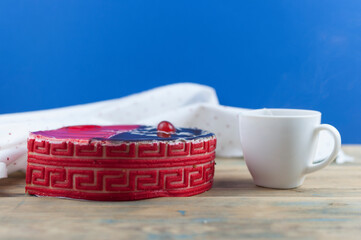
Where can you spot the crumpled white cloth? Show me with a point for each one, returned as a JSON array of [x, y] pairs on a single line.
[[183, 104]]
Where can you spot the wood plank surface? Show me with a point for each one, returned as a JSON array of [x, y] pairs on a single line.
[[327, 206]]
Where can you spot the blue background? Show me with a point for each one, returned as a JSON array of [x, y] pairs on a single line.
[[294, 54]]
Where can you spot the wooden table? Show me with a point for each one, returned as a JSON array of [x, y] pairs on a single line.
[[327, 206]]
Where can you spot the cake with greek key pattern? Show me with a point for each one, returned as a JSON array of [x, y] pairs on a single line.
[[120, 162]]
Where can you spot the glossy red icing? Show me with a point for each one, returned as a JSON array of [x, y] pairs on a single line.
[[86, 132]]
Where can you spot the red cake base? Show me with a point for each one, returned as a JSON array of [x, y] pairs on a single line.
[[116, 170]]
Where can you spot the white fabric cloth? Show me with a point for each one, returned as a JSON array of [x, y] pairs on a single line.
[[183, 104]]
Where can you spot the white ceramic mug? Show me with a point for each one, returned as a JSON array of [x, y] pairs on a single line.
[[279, 145]]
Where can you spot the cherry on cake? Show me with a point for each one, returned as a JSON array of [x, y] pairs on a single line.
[[120, 162]]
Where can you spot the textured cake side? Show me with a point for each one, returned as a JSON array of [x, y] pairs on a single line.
[[111, 171]]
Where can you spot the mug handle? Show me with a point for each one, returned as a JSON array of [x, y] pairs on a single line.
[[336, 148]]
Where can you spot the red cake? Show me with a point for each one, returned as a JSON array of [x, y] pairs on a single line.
[[122, 162]]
